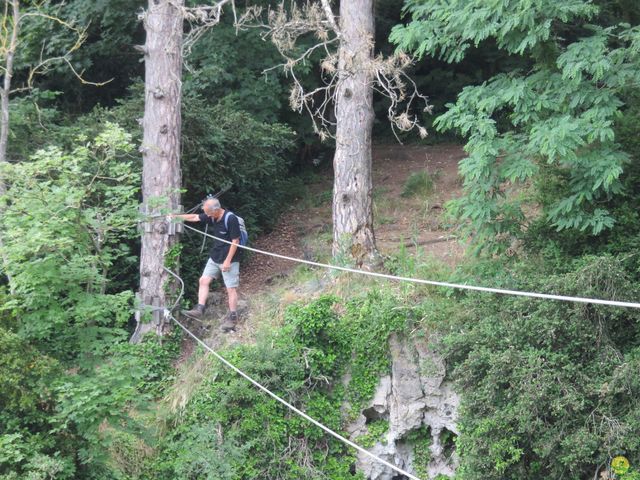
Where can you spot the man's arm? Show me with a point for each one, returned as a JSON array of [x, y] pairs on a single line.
[[187, 217], [232, 251]]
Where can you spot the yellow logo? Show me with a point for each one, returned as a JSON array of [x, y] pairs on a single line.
[[620, 465]]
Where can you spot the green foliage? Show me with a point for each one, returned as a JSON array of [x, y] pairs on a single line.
[[371, 322], [623, 238], [418, 184], [517, 27], [551, 124], [626, 124], [229, 64], [630, 474], [69, 382], [24, 375], [107, 54], [32, 119], [323, 198], [222, 146], [226, 146], [420, 440], [376, 430], [67, 216], [229, 67], [547, 388], [172, 256], [26, 399], [75, 423], [38, 466], [304, 362]]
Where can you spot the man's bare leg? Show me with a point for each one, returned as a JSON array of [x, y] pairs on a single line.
[[203, 290], [232, 293]]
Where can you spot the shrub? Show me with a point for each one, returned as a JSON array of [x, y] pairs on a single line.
[[547, 387], [304, 362]]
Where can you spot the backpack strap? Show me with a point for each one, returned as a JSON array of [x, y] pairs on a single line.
[[226, 219]]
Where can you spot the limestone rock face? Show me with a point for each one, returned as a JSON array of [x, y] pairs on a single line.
[[415, 396]]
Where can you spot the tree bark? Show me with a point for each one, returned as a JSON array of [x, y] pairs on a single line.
[[353, 233], [161, 174], [5, 91]]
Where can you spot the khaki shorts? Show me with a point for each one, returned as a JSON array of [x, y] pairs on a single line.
[[231, 278]]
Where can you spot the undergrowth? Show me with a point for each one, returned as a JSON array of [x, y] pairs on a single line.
[[548, 388], [232, 425]]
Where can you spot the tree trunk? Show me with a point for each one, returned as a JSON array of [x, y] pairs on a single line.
[[5, 91], [161, 175], [352, 204]]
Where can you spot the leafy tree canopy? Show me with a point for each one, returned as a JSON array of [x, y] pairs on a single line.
[[551, 122]]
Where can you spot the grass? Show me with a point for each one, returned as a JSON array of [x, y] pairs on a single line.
[[318, 245], [378, 198], [267, 307], [379, 192], [189, 376], [418, 184], [323, 198]]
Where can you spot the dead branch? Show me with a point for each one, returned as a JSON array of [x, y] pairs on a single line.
[[201, 19], [388, 74], [204, 17], [44, 64]]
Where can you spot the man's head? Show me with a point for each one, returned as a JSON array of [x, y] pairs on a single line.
[[212, 208]]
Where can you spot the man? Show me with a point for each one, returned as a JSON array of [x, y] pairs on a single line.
[[223, 259]]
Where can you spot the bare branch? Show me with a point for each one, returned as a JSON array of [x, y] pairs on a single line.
[[54, 19], [44, 64], [200, 20], [388, 75], [305, 56], [204, 17]]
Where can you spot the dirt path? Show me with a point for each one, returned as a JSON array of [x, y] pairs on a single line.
[[305, 230], [260, 271], [410, 221], [416, 221]]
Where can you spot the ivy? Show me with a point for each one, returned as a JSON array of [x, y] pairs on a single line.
[[375, 433], [420, 440]]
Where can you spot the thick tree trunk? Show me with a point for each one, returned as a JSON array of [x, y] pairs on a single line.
[[161, 175], [5, 91], [352, 204]]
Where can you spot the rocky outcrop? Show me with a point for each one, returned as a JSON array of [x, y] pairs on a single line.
[[417, 402]]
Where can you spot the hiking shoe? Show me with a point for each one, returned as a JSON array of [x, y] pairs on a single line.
[[229, 322], [195, 312]]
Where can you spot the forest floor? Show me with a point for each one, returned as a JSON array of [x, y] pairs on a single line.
[[305, 230], [269, 284]]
